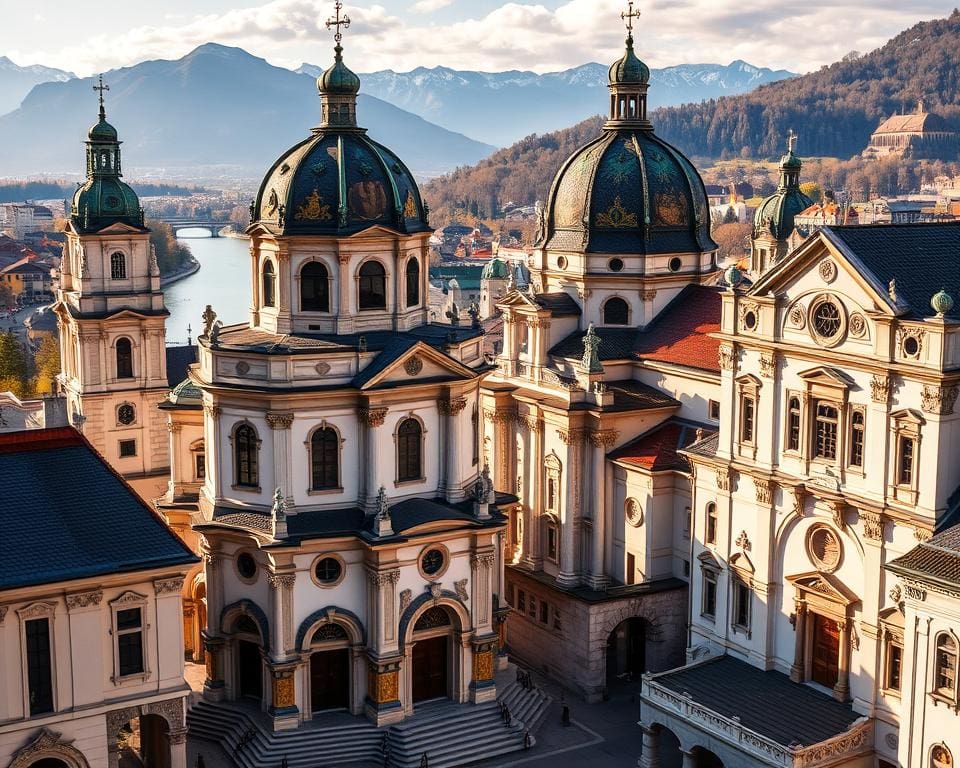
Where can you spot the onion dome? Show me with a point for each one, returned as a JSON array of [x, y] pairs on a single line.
[[338, 181], [495, 269], [775, 215], [103, 199], [629, 69], [942, 303]]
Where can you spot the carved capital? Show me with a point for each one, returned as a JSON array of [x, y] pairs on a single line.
[[880, 389], [799, 500], [372, 417], [723, 478], [837, 510], [571, 436], [939, 400], [282, 580], [174, 428], [213, 411], [872, 525], [452, 407], [3, 613], [168, 586], [382, 578], [280, 420], [84, 599], [763, 489], [768, 365], [726, 357], [530, 424], [481, 560], [605, 438]]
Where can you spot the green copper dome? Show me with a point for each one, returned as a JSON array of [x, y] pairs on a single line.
[[103, 199], [338, 79], [495, 269], [776, 214], [629, 70]]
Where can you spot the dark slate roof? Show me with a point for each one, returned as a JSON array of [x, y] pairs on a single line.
[[657, 450], [66, 515], [179, 358], [353, 521], [393, 351], [681, 334], [937, 559], [560, 304], [707, 447], [766, 702], [636, 396], [922, 258]]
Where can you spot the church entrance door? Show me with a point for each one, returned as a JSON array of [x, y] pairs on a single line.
[[249, 669], [826, 651], [330, 679], [430, 668]]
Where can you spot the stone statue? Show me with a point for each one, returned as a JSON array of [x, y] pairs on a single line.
[[382, 525], [154, 266], [279, 515], [209, 318], [214, 334], [487, 484], [474, 313], [541, 231], [453, 315], [591, 356], [892, 289]]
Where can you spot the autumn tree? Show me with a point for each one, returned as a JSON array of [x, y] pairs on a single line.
[[171, 253], [14, 366], [46, 363], [733, 241]]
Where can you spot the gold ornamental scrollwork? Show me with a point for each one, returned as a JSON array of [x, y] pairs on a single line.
[[483, 665], [880, 389], [283, 690]]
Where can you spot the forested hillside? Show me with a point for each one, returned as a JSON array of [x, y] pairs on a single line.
[[520, 173], [835, 109]]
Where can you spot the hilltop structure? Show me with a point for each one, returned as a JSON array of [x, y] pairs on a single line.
[[922, 134]]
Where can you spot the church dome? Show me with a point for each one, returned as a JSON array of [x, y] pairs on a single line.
[[628, 191], [339, 181], [776, 214], [495, 269], [629, 69], [102, 131]]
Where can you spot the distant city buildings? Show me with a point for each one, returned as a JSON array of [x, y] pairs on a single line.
[[17, 220]]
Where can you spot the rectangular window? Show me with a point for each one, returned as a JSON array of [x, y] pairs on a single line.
[[544, 612], [711, 534], [39, 666], [709, 605], [714, 410], [894, 666], [747, 419], [533, 606], [741, 605], [557, 624], [130, 642], [128, 448], [552, 493], [521, 600], [201, 464], [857, 431], [552, 543], [687, 520], [905, 470], [631, 568], [793, 424], [825, 442]]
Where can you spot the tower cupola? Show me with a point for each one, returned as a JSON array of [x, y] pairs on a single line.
[[628, 81], [338, 85]]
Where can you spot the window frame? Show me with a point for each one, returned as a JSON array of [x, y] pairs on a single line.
[[338, 441], [129, 601], [321, 299], [907, 426], [858, 438], [268, 285], [551, 536], [254, 449], [402, 462], [948, 695], [128, 344], [815, 435], [709, 581], [122, 447], [622, 305], [793, 425], [39, 611], [711, 523], [412, 281], [748, 393], [118, 267], [364, 305]]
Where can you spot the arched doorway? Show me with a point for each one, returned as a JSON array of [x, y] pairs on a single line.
[[144, 742], [432, 655], [706, 759], [49, 762], [329, 668], [249, 664], [627, 651]]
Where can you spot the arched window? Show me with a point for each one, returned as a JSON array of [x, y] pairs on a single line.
[[246, 449], [373, 286], [269, 285], [413, 283], [409, 451], [324, 459], [712, 519], [124, 359], [118, 266], [793, 424], [616, 312], [945, 672], [314, 288], [940, 757]]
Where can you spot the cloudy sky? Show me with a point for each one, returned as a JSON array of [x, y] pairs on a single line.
[[492, 35]]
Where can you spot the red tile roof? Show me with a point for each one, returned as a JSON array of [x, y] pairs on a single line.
[[682, 332], [657, 449], [40, 439]]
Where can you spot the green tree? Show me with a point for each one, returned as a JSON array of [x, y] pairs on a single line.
[[171, 253]]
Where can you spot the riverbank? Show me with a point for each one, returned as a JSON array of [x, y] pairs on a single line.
[[188, 269], [235, 235]]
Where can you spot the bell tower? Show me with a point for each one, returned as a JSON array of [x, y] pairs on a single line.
[[111, 317]]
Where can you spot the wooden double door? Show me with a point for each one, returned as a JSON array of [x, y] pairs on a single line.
[[330, 680], [430, 662], [249, 669], [825, 661]]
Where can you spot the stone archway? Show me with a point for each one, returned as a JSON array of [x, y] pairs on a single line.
[[49, 750], [331, 641], [626, 652], [151, 735]]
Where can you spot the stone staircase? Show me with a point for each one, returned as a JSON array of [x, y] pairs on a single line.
[[450, 734]]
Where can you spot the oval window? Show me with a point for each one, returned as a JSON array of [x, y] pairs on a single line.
[[432, 562], [328, 570], [246, 565]]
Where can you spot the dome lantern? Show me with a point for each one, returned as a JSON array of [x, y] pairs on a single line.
[[775, 215], [628, 81], [338, 85]]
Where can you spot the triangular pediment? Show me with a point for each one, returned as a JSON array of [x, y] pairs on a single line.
[[708, 560], [519, 300], [846, 272], [826, 586], [418, 362], [742, 562], [120, 228], [823, 374]]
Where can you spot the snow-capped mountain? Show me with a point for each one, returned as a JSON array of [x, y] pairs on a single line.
[[16, 81], [502, 107]]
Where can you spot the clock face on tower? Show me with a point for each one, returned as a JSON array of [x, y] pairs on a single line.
[[126, 414]]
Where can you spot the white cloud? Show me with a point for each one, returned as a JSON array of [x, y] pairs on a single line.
[[429, 6], [520, 34]]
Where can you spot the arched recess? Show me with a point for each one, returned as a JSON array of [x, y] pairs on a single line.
[[332, 641], [246, 608], [194, 599], [48, 744], [331, 614]]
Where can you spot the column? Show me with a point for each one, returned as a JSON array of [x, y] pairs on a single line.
[[800, 632], [650, 756], [280, 424], [214, 449], [370, 419], [602, 442], [344, 316], [383, 705], [841, 690], [178, 748], [176, 479], [452, 480], [532, 551], [283, 661], [572, 500]]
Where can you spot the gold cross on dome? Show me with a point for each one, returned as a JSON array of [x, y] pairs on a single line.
[[629, 16], [792, 140], [339, 23], [101, 87]]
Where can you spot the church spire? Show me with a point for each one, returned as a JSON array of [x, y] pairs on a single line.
[[629, 79], [790, 164], [338, 86]]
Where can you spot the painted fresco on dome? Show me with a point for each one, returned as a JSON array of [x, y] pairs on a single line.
[[568, 206], [313, 208], [367, 200], [669, 209], [410, 206], [620, 164], [617, 217]]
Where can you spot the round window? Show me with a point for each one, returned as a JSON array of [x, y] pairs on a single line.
[[750, 320], [634, 512], [911, 346], [675, 264], [432, 562], [246, 565], [616, 265], [562, 262], [328, 570], [827, 320], [126, 414], [825, 549]]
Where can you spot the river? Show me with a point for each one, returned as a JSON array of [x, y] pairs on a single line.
[[223, 281]]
